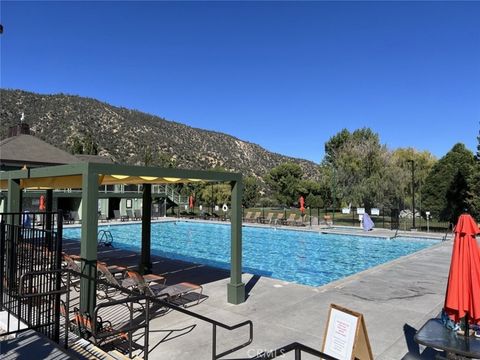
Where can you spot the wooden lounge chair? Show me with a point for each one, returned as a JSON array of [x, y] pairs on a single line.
[[248, 216], [172, 293]]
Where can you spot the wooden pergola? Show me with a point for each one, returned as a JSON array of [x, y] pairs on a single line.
[[89, 176]]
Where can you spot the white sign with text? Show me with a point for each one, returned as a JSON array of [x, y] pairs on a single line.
[[341, 332]]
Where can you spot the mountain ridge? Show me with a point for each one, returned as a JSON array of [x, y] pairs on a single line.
[[62, 119]]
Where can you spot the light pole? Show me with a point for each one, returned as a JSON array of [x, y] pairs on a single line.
[[413, 189], [334, 192]]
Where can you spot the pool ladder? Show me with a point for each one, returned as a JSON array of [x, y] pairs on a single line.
[[105, 238]]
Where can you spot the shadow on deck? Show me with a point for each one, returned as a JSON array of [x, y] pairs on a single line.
[[175, 271]]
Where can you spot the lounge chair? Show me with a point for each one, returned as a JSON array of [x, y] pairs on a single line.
[[248, 217], [257, 216], [302, 221], [268, 219], [279, 219], [75, 217], [130, 215], [72, 262], [172, 293], [113, 275], [291, 219], [137, 214], [102, 334], [102, 217], [117, 216], [327, 220]]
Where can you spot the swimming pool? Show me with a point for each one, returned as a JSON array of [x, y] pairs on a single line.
[[304, 257]]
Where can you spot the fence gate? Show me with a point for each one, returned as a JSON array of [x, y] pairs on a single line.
[[31, 243]]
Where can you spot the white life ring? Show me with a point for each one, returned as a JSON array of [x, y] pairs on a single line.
[[225, 208]]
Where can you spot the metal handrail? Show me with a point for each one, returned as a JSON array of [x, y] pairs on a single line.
[[446, 233], [298, 348]]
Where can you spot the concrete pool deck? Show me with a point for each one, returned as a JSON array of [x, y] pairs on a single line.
[[396, 299]]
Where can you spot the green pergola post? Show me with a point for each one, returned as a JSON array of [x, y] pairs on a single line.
[[145, 261], [88, 245], [236, 289], [14, 202]]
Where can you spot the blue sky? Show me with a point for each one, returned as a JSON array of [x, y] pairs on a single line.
[[284, 75]]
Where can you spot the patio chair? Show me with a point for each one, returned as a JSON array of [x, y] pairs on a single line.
[[279, 219], [248, 216], [302, 221], [75, 217], [268, 219], [137, 214], [291, 220], [102, 217], [71, 262], [175, 294], [98, 331], [112, 275], [117, 216], [257, 216], [130, 215]]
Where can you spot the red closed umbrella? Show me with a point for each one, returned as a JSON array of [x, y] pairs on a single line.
[[190, 202], [41, 205], [301, 201], [463, 288]]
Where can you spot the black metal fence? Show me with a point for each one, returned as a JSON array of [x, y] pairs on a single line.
[[31, 242], [386, 218]]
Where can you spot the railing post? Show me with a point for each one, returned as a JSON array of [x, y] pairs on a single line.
[[58, 265], [147, 321], [298, 354], [2, 259], [214, 342]]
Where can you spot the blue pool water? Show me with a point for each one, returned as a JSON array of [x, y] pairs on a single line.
[[303, 257]]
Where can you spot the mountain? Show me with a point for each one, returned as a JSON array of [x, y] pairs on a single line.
[[130, 136]]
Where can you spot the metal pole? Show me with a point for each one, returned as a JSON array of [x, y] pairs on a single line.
[[413, 191], [334, 194], [145, 262], [212, 201]]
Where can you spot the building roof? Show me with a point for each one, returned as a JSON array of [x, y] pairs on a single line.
[[28, 149]]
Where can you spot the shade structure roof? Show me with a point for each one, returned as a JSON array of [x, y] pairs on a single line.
[[70, 176], [88, 176]]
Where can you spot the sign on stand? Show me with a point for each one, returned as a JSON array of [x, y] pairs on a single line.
[[346, 335]]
